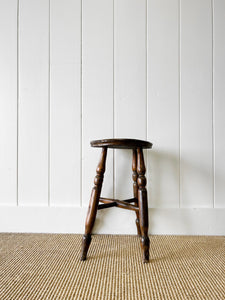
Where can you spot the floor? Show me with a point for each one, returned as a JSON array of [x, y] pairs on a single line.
[[47, 266]]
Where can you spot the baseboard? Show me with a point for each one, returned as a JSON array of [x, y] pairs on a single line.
[[185, 221]]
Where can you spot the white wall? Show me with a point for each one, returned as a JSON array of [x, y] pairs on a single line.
[[76, 70]]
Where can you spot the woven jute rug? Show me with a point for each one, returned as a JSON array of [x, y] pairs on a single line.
[[47, 266]]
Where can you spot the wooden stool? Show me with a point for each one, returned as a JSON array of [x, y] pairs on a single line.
[[140, 201]]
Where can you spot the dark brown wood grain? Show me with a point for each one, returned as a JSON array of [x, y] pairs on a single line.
[[119, 203], [114, 203], [143, 205], [121, 143], [139, 203], [93, 204], [135, 188]]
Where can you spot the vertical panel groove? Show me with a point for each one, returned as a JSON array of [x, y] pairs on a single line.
[[49, 97], [196, 104], [179, 95], [33, 102], [213, 128], [97, 90], [130, 83], [17, 109], [163, 97], [218, 101], [113, 96], [65, 103], [81, 102]]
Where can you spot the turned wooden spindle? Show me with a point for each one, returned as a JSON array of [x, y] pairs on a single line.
[[138, 203], [143, 205], [135, 188], [93, 204]]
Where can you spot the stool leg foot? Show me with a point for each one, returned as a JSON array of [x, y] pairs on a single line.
[[143, 205], [145, 243], [85, 245], [93, 204]]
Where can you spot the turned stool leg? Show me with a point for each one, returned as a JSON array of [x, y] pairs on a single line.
[[135, 188], [143, 205], [93, 204]]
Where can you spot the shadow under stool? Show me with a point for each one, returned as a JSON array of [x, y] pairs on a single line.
[[139, 203]]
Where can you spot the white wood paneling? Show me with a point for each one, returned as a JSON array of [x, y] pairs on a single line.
[[65, 102], [33, 102], [163, 102], [219, 101], [90, 69], [8, 102], [130, 84], [97, 90], [196, 104]]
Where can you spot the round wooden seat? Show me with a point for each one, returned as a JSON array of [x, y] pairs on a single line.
[[121, 143]]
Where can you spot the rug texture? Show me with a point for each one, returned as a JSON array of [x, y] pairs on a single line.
[[47, 266]]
